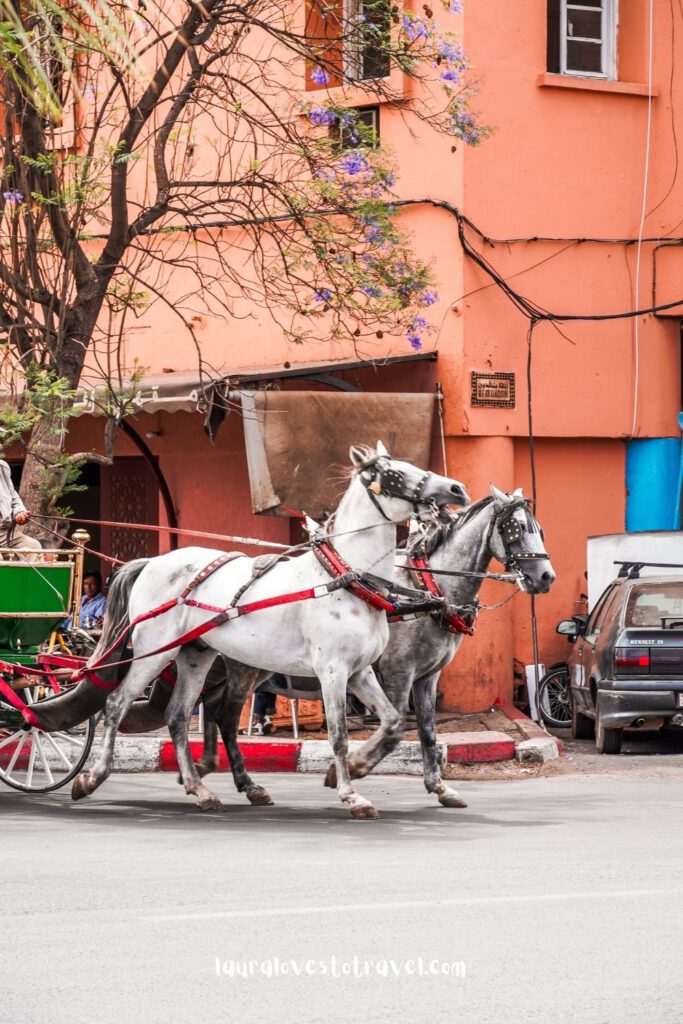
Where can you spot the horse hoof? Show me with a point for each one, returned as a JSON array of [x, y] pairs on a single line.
[[365, 812], [211, 803], [260, 797], [331, 777], [81, 786], [451, 799]]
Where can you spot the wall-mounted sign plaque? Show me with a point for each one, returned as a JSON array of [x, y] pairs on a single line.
[[497, 390]]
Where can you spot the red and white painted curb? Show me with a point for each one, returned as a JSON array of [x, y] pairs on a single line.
[[156, 753]]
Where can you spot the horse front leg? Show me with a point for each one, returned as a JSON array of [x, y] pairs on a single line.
[[391, 706], [118, 704], [192, 669], [424, 696], [333, 684]]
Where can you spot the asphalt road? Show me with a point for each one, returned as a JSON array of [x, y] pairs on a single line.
[[550, 900]]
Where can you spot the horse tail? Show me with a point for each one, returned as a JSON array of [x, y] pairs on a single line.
[[116, 616]]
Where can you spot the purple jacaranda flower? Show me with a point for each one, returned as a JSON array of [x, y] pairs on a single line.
[[427, 298], [353, 163], [450, 76], [322, 295], [372, 291], [415, 341], [464, 126], [319, 116], [455, 7], [414, 28], [450, 51], [418, 323], [13, 196], [319, 76]]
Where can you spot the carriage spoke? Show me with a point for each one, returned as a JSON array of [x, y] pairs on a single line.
[[10, 767], [9, 739], [58, 750], [75, 741], [31, 763], [37, 742]]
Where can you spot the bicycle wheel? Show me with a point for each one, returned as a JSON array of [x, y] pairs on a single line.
[[555, 699], [35, 761]]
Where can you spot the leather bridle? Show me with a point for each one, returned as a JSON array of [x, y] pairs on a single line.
[[510, 531], [379, 477]]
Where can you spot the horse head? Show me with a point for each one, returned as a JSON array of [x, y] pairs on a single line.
[[399, 489], [516, 539]]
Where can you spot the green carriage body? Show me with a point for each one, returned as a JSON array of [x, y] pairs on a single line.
[[35, 597]]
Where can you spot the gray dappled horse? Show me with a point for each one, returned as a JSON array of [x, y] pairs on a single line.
[[335, 639], [500, 527]]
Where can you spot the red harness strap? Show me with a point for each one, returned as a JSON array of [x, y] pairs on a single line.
[[332, 561], [451, 621], [223, 615]]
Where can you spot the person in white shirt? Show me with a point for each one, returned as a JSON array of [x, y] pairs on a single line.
[[13, 513]]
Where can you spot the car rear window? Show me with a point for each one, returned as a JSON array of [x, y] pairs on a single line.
[[648, 605]]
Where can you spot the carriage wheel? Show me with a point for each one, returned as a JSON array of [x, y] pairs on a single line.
[[35, 761]]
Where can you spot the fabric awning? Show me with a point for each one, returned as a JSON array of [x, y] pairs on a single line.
[[194, 391], [298, 442]]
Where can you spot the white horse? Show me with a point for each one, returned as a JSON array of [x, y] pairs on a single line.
[[335, 638]]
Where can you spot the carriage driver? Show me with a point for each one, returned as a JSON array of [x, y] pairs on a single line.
[[13, 512]]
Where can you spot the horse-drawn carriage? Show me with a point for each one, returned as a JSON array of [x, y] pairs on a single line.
[[37, 594], [155, 660]]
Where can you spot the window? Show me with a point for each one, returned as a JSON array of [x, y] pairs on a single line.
[[594, 624], [367, 27], [351, 37], [582, 38], [349, 137], [649, 605]]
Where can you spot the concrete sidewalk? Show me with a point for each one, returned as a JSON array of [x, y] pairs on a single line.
[[498, 735]]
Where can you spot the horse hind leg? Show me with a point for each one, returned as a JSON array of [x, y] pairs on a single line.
[[208, 762], [192, 669], [118, 704], [239, 686], [424, 695]]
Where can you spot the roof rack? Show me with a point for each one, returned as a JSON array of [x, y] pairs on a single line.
[[631, 570]]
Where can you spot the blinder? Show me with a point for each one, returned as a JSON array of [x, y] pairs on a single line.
[[390, 482], [511, 532]]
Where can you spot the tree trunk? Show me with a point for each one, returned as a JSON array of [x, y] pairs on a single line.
[[39, 476]]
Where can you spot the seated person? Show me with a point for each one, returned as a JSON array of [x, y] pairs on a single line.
[[93, 603]]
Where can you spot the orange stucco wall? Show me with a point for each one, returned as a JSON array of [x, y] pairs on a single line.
[[564, 163]]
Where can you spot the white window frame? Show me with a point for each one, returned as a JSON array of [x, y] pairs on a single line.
[[353, 55], [608, 43]]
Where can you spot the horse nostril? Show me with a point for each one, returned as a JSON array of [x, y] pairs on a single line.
[[548, 577]]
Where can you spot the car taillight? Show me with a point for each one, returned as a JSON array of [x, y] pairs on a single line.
[[632, 660]]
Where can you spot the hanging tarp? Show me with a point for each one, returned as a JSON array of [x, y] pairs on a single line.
[[298, 442]]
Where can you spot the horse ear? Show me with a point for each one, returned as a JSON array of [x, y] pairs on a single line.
[[498, 496], [518, 493], [381, 450], [356, 456]]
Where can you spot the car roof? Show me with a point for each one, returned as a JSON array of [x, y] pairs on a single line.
[[657, 580]]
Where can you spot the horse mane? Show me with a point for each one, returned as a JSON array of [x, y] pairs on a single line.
[[438, 533]]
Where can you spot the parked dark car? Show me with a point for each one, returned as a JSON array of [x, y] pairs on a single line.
[[626, 666]]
